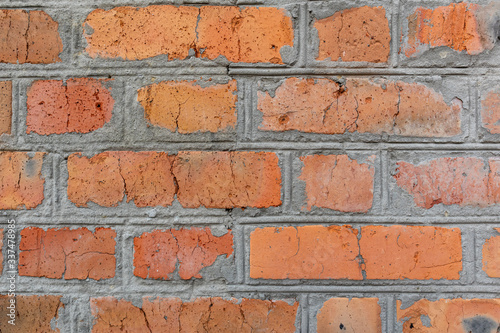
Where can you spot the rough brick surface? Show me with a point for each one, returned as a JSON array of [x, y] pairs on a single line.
[[1, 254], [21, 183], [240, 35], [5, 107], [337, 182], [78, 105], [69, 254], [28, 37], [491, 260], [490, 111], [228, 179], [455, 26], [411, 252], [351, 315], [465, 181], [34, 314], [187, 107], [309, 252], [361, 105], [158, 254], [354, 34], [450, 315], [201, 315]]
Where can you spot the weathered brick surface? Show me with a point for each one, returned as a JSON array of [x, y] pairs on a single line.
[[239, 34], [78, 105], [28, 37], [450, 315], [36, 314], [354, 34], [360, 105], [69, 254], [21, 183], [344, 314], [490, 111], [1, 253], [188, 108], [337, 182], [491, 260], [201, 315], [5, 107], [159, 253]]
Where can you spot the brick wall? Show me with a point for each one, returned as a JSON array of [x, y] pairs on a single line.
[[250, 166]]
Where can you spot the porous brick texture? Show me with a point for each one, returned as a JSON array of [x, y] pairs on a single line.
[[249, 166]]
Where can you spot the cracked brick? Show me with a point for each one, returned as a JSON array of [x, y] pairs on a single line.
[[337, 182], [188, 108], [69, 254], [352, 315], [491, 262], [359, 105], [5, 107], [354, 34], [239, 34], [21, 183], [28, 37], [158, 254], [450, 315], [79, 105]]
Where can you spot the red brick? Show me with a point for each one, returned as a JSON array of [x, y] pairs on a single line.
[[490, 111], [337, 182], [69, 254], [228, 179], [361, 105], [34, 314], [240, 35], [354, 315], [354, 34], [28, 37], [22, 183], [158, 254], [309, 252], [187, 107], [411, 252], [455, 26], [491, 261], [5, 107], [451, 315], [201, 315], [78, 105], [465, 181]]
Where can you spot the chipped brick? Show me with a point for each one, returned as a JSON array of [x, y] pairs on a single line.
[[490, 111], [491, 261], [355, 315], [157, 254], [5, 107]]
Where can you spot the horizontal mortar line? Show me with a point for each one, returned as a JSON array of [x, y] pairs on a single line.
[[394, 219], [392, 289], [289, 145]]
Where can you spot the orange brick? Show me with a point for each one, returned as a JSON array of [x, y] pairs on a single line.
[[158, 254], [490, 111], [69, 254], [22, 183], [455, 26], [354, 34], [28, 37], [187, 107], [240, 35], [355, 315], [309, 252], [5, 107], [228, 179], [78, 105], [451, 315], [411, 252], [491, 262], [37, 313], [1, 247], [361, 105], [201, 315], [337, 182]]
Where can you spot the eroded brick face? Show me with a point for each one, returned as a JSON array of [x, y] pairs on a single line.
[[360, 105], [5, 107], [238, 34], [21, 183], [354, 34], [69, 254], [159, 253], [186, 107], [201, 315], [28, 37], [1, 254], [490, 111], [343, 314], [491, 260]]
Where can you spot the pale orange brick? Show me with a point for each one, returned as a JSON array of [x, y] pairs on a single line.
[[352, 315], [5, 107], [491, 251], [490, 111]]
